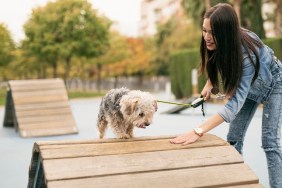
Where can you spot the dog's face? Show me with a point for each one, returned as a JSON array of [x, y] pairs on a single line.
[[138, 108]]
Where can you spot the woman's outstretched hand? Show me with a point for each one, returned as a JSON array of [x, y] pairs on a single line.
[[186, 138]]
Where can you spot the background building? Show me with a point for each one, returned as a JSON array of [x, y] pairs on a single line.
[[155, 12]]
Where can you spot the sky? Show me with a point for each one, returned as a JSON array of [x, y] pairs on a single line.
[[125, 13]]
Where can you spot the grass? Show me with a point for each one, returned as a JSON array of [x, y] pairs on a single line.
[[71, 94], [2, 96], [84, 94]]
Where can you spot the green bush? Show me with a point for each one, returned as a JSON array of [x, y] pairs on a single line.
[[276, 45], [181, 65]]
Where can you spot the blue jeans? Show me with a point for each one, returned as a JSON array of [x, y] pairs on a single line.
[[271, 132]]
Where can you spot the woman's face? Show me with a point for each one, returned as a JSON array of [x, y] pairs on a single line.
[[208, 35]]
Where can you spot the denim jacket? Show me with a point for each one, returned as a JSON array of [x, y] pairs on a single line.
[[260, 90]]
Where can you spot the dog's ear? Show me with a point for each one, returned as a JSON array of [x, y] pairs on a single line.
[[129, 105], [155, 104]]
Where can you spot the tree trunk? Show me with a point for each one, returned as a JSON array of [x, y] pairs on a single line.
[[68, 66], [55, 70], [116, 82], [251, 16], [237, 5], [207, 4], [99, 68]]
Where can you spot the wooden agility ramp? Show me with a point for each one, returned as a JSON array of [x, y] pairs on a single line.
[[139, 162], [39, 108]]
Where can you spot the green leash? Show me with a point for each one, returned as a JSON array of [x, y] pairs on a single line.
[[179, 104], [194, 104]]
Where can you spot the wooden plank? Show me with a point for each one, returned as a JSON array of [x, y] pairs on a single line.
[[36, 85], [49, 131], [35, 82], [46, 125], [39, 99], [68, 168], [61, 143], [113, 148], [40, 92], [41, 87], [59, 117], [44, 112], [213, 176], [246, 186], [45, 105]]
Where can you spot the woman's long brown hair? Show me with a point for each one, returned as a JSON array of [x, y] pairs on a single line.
[[226, 61]]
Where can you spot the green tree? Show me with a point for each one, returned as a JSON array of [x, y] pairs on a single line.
[[65, 29], [195, 9], [7, 46], [118, 50], [249, 12], [251, 17], [173, 35]]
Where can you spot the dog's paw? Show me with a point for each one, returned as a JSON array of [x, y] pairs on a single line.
[[124, 136]]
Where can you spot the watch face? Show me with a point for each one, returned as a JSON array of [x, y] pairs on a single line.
[[199, 131]]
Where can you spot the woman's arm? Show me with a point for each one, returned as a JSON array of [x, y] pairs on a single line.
[[228, 112], [190, 136]]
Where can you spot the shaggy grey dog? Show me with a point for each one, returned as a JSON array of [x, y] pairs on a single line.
[[123, 109]]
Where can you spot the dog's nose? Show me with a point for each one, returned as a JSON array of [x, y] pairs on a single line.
[[147, 124]]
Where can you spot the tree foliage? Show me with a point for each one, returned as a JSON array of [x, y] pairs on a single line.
[[6, 46], [173, 35], [136, 59], [195, 9], [64, 29], [250, 12], [251, 17]]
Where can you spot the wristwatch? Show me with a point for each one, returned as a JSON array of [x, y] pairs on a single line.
[[199, 131]]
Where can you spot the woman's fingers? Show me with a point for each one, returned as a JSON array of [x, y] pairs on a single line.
[[177, 140], [208, 95], [185, 139]]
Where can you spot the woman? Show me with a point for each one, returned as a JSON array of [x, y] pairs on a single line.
[[237, 61]]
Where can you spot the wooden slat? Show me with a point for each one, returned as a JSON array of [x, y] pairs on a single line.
[[47, 105], [68, 168], [61, 143], [114, 148], [49, 131], [31, 88], [214, 176], [17, 95], [40, 99], [19, 85], [246, 186], [46, 125], [44, 112], [59, 117]]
